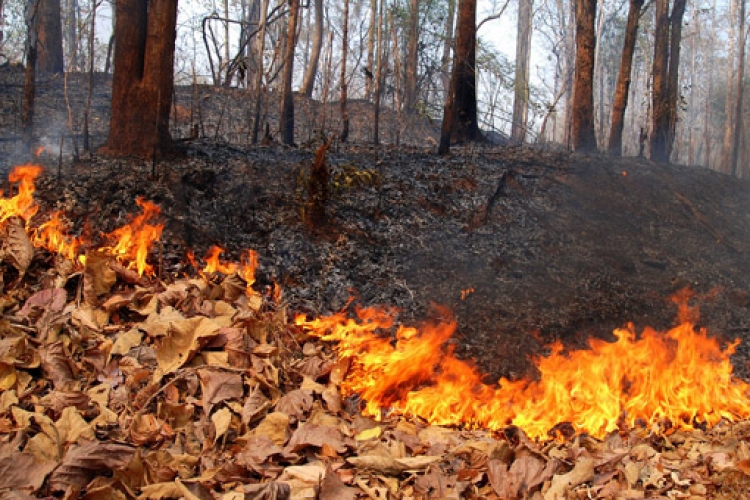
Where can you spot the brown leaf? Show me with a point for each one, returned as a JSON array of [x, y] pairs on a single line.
[[16, 246], [257, 450], [85, 461], [21, 471], [98, 277], [218, 386], [269, 491], [182, 339], [295, 403], [563, 483], [56, 364], [255, 406], [15, 350], [275, 427], [309, 434], [333, 488]]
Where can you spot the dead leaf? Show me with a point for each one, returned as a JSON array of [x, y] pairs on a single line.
[[84, 461], [16, 246], [182, 339], [56, 364], [582, 472], [218, 386], [295, 403], [98, 277], [332, 488], [275, 427], [255, 405], [309, 434], [21, 471], [270, 491]]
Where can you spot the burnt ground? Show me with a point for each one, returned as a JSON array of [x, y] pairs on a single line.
[[554, 245]]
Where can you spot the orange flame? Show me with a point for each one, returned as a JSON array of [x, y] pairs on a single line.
[[132, 242], [22, 204], [52, 235], [214, 264], [682, 376], [247, 270]]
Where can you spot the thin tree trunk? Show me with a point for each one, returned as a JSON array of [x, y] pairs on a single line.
[[29, 86], [673, 71], [344, 86], [445, 59], [583, 135], [623, 79], [738, 127], [308, 83], [286, 124], [660, 118], [380, 74], [259, 72], [90, 90], [371, 32], [521, 85], [412, 58], [729, 100]]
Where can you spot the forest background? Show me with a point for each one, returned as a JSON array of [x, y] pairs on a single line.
[[525, 62]]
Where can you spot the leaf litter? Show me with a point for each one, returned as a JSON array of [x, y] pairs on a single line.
[[116, 385]]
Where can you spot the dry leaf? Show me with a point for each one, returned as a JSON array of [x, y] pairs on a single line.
[[218, 386], [16, 246], [182, 339], [222, 419], [98, 277], [582, 472], [255, 406], [332, 488], [275, 427], [85, 461], [21, 471], [309, 434], [295, 403]]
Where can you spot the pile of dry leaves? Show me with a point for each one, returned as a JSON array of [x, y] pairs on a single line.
[[118, 386]]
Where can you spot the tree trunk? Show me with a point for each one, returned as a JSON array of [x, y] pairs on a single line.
[[71, 32], [143, 81], [583, 135], [667, 37], [286, 124], [29, 87], [49, 49], [623, 79], [261, 46], [739, 125], [344, 86], [445, 60], [460, 113], [412, 58], [371, 31], [380, 73], [308, 83], [521, 86]]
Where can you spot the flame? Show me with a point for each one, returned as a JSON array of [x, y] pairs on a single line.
[[39, 150], [22, 204], [682, 377], [52, 235], [247, 270], [132, 242], [214, 264]]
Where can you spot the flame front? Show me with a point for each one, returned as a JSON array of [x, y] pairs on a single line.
[[53, 236], [681, 377]]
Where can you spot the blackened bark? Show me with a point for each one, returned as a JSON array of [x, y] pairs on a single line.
[[143, 81], [660, 102], [29, 87], [344, 86], [286, 124], [582, 128]]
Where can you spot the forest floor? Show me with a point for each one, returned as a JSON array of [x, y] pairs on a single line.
[[525, 246]]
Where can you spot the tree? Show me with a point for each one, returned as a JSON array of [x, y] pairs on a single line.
[[582, 126], [623, 78], [308, 82], [143, 81], [521, 87], [739, 92], [29, 87], [412, 58], [460, 112], [344, 86], [286, 123], [50, 51], [667, 37]]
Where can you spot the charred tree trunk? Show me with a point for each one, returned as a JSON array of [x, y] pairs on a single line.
[[259, 72], [286, 124], [308, 83], [623, 79], [740, 92], [380, 73], [412, 58], [143, 81], [49, 48], [445, 59], [582, 128], [344, 86], [460, 113], [523, 54], [371, 31]]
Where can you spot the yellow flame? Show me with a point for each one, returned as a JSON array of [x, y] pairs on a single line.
[[132, 242], [22, 204]]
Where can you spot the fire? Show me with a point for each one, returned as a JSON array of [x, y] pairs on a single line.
[[132, 242], [247, 272], [22, 204], [52, 235], [681, 377], [214, 264]]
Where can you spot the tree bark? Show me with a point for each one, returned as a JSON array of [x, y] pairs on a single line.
[[739, 125], [460, 121], [308, 82], [582, 128], [667, 37], [521, 86], [412, 58], [623, 79], [445, 60], [29, 86], [261, 46], [286, 124], [371, 32], [344, 86], [143, 81], [49, 48], [380, 73]]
